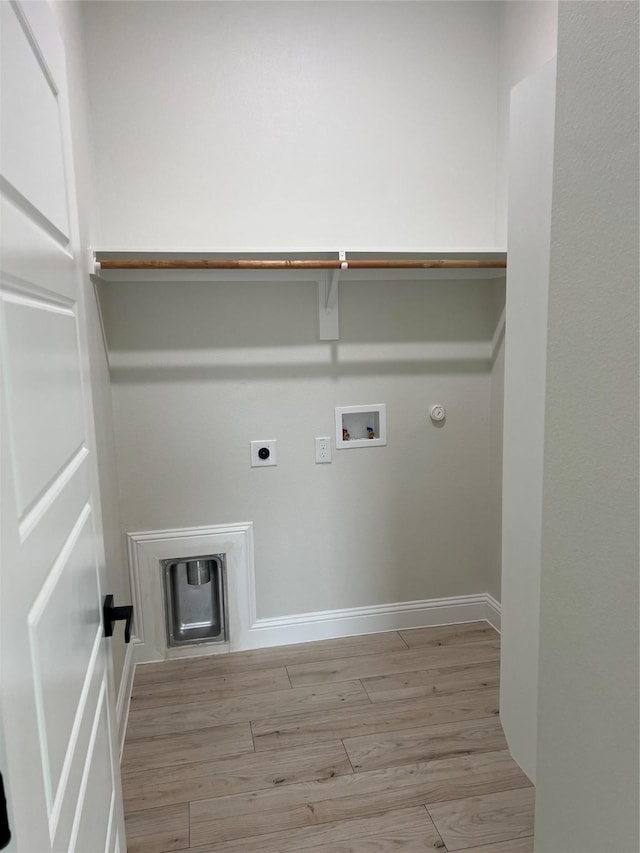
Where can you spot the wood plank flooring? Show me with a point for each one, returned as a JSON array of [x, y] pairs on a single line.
[[370, 744]]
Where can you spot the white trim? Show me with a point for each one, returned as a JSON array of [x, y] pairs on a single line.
[[146, 550], [137, 631], [246, 631], [124, 695], [493, 611], [330, 624], [164, 251]]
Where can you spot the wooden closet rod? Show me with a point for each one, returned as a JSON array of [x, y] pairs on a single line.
[[355, 264]]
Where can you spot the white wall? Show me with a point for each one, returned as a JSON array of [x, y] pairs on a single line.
[[276, 124], [494, 586], [115, 569], [588, 797], [531, 171], [528, 34], [524, 149], [200, 369]]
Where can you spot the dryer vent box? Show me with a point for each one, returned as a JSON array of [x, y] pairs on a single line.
[[195, 600]]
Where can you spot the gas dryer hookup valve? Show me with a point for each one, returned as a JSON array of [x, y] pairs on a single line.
[[438, 413]]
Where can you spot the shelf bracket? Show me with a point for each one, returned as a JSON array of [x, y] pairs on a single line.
[[332, 295], [328, 313], [93, 264]]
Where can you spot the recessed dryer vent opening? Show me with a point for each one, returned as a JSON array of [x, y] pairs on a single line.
[[195, 600]]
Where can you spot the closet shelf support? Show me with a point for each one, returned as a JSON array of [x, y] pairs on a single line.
[[321, 266], [328, 307], [332, 294]]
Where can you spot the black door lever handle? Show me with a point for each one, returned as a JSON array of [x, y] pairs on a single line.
[[111, 614]]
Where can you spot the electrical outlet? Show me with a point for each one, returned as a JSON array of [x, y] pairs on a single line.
[[323, 450], [264, 453]]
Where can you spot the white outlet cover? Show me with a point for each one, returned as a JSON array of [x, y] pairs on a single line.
[[323, 450], [269, 444]]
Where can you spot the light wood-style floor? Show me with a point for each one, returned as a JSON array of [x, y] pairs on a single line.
[[386, 742]]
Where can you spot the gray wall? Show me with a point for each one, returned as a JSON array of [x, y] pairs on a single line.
[[588, 686], [200, 369], [304, 124]]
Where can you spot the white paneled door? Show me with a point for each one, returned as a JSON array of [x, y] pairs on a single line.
[[57, 710]]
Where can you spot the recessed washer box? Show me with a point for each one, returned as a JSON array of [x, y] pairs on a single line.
[[361, 426]]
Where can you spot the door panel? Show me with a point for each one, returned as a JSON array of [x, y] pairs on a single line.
[[94, 810], [62, 633], [49, 519], [44, 405], [32, 145], [56, 699], [76, 763], [26, 258]]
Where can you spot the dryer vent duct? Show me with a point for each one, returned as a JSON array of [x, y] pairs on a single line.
[[198, 572]]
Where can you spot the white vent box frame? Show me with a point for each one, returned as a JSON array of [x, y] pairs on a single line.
[[361, 426]]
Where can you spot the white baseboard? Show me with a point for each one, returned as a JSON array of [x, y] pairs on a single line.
[[493, 612], [331, 624], [246, 631], [124, 694]]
